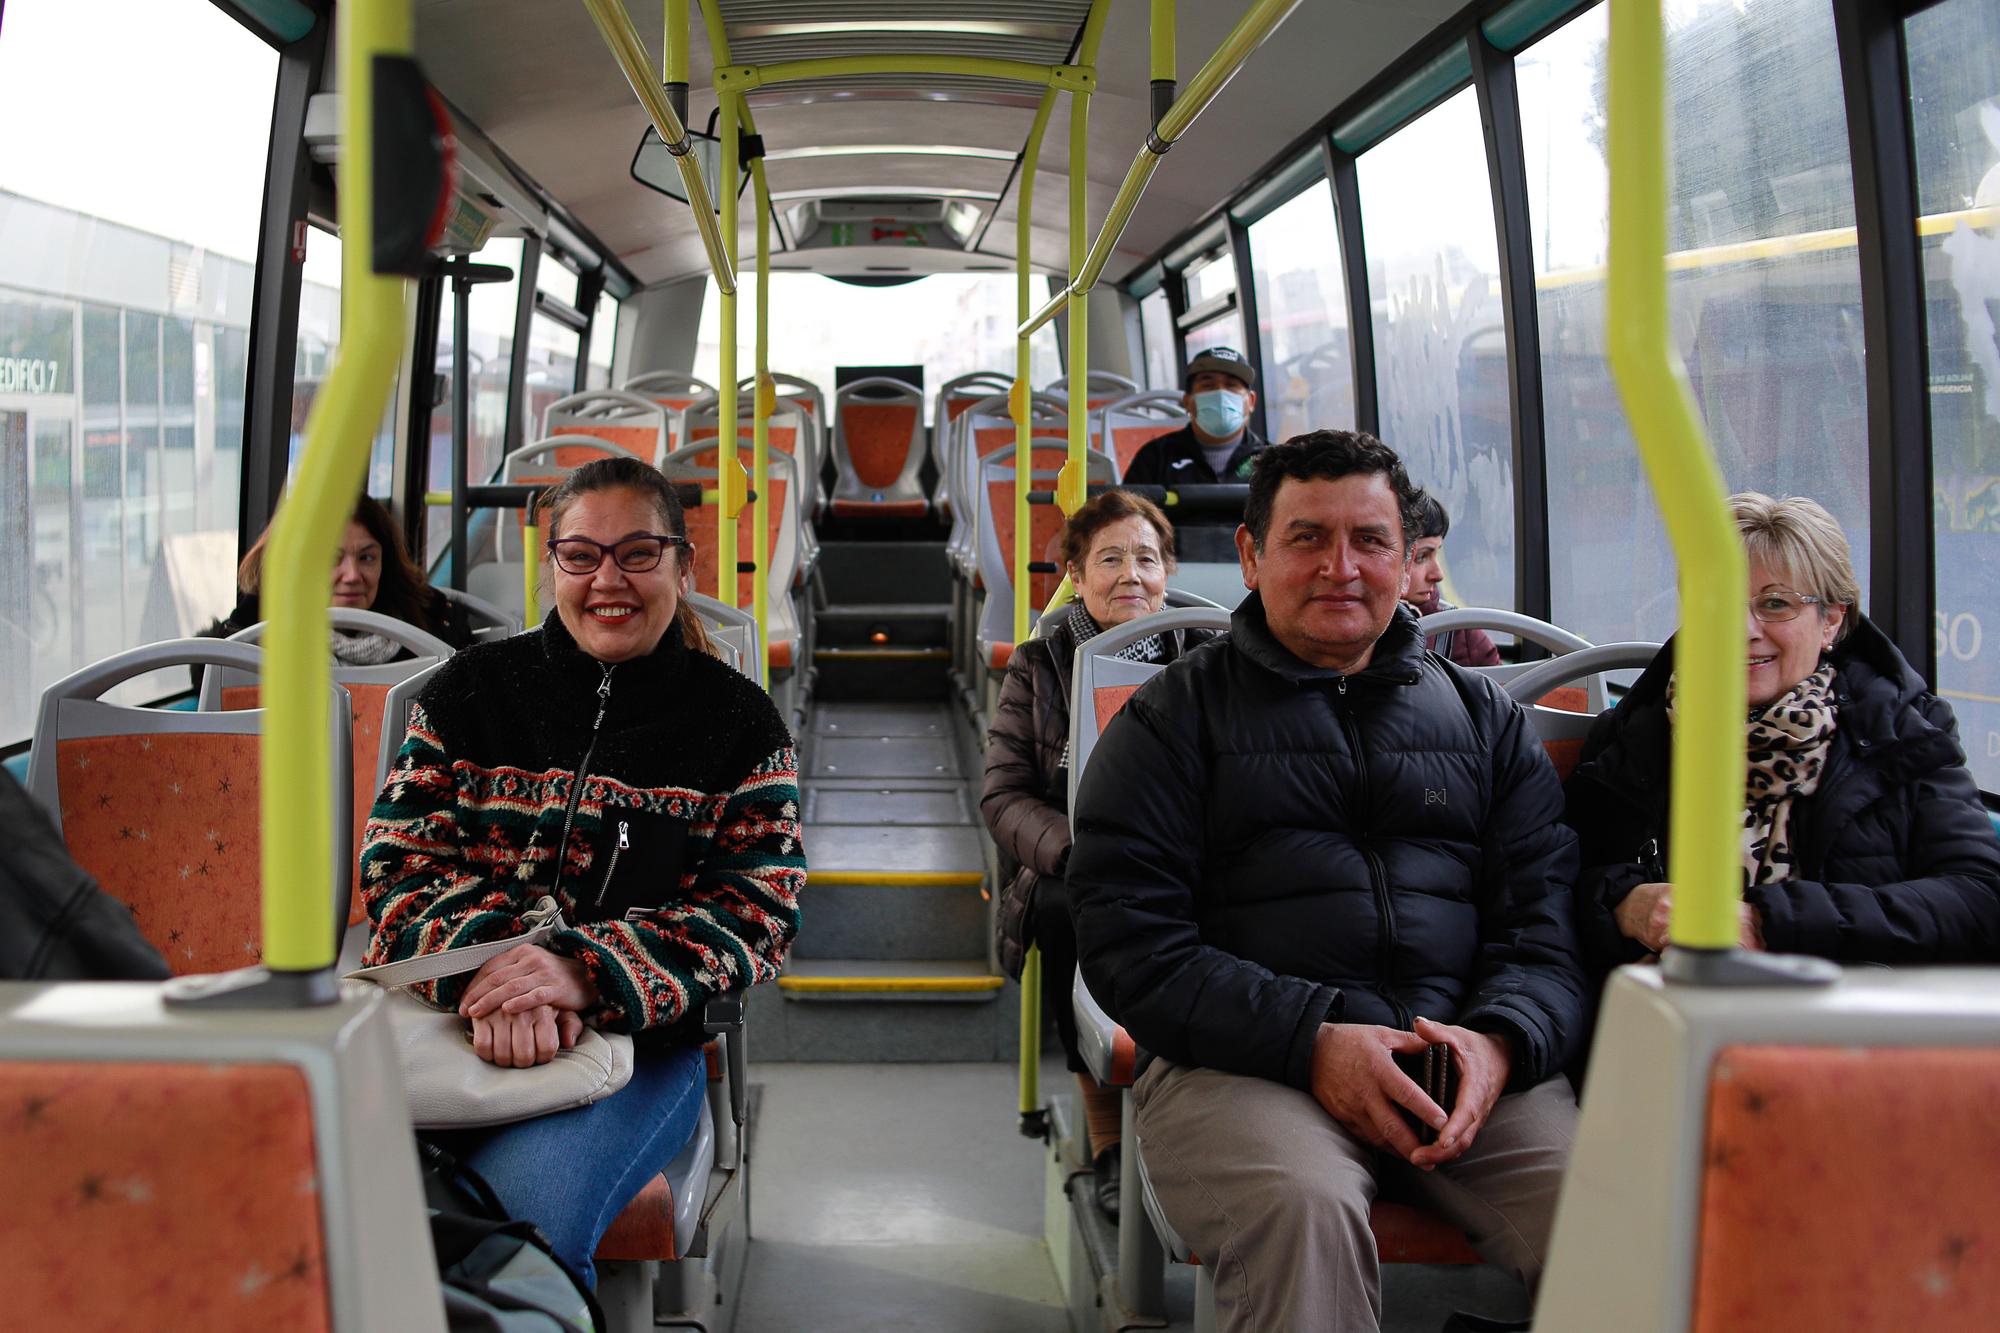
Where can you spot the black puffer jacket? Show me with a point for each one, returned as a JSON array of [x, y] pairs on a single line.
[[1263, 846], [1897, 861], [1025, 795]]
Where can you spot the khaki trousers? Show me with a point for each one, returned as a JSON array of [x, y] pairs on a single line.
[[1273, 1193]]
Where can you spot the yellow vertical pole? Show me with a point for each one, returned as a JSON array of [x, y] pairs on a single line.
[[295, 793], [675, 47], [1070, 488], [726, 467], [1164, 60], [531, 564], [760, 582], [1020, 399], [1708, 729]]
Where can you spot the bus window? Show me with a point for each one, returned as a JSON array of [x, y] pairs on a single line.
[[1955, 105], [1307, 374], [552, 357], [1764, 281], [951, 324], [1440, 345], [1156, 331], [603, 342], [489, 354], [125, 289], [319, 338]]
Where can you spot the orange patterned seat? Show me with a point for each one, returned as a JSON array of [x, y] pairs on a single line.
[[165, 1195], [878, 433]]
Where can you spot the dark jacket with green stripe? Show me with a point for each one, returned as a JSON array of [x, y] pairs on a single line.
[[1263, 846], [682, 867]]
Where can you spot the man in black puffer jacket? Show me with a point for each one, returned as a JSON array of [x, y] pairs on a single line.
[[1308, 849]]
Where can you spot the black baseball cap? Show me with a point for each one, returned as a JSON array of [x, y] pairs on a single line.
[[1223, 361]]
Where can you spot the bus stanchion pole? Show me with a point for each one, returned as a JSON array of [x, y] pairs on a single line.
[[760, 582]]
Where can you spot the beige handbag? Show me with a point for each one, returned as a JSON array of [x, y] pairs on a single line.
[[448, 1085]]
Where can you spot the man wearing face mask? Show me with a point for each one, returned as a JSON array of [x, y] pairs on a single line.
[[1217, 445]]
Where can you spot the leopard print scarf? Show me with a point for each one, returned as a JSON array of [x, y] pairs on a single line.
[[1788, 744]]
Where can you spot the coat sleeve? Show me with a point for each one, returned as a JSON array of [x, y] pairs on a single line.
[[423, 892], [1946, 909], [1148, 466], [1609, 836], [1529, 982], [731, 927], [1013, 799], [1132, 883], [1474, 648]]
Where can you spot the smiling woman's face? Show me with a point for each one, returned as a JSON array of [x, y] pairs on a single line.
[[614, 614], [1784, 652], [1124, 574]]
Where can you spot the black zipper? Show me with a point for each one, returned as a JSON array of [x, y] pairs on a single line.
[[1378, 876], [576, 782], [624, 841]]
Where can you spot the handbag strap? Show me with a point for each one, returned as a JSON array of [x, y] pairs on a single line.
[[543, 921]]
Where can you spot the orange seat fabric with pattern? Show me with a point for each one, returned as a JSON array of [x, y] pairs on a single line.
[[160, 1195]]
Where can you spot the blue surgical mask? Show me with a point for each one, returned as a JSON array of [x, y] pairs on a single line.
[[1220, 412]]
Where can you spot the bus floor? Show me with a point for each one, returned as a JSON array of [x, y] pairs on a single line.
[[890, 1197]]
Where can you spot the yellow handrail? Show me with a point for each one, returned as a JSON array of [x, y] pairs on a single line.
[[1243, 40], [296, 790], [1020, 400], [531, 569], [744, 78], [760, 582], [1708, 763], [623, 41], [727, 469]]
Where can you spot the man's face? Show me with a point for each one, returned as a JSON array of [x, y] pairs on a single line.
[[1332, 567], [1210, 380]]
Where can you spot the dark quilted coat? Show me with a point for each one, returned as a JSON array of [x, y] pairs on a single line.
[[1897, 861], [1263, 846]]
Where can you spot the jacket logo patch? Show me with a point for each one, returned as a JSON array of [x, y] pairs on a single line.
[[1181, 463], [1434, 796]]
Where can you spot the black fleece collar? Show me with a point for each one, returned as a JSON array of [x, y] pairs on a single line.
[[1397, 659], [578, 674]]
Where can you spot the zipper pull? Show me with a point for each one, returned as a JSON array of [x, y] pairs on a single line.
[[1340, 687], [624, 836], [604, 694]]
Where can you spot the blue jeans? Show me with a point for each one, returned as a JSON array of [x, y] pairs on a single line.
[[572, 1172]]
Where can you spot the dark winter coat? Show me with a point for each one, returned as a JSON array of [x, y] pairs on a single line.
[[1176, 459], [1263, 846], [1897, 861], [55, 923], [1025, 799]]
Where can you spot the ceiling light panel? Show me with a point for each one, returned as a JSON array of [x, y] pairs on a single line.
[[889, 150], [763, 31]]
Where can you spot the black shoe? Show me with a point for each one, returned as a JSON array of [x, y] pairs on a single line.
[[1106, 1169]]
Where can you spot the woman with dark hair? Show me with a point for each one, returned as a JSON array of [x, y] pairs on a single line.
[[651, 789], [372, 571], [1118, 551]]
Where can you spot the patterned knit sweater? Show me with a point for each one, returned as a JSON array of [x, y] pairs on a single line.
[[683, 862]]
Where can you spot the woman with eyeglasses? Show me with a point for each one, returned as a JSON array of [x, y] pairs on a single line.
[[1864, 839], [647, 786]]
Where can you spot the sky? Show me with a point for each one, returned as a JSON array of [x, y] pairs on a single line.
[[153, 113]]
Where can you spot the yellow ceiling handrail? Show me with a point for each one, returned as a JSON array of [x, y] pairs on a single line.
[[1242, 42], [623, 42]]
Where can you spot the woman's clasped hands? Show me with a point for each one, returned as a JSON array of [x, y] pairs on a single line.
[[526, 1005]]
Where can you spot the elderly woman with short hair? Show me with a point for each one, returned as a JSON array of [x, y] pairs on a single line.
[[1864, 838]]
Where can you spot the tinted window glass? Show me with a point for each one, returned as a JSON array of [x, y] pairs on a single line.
[[1307, 375]]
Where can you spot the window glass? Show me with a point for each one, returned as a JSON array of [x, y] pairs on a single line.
[[1440, 349], [1771, 331], [603, 342], [1209, 278], [552, 351], [1222, 331], [312, 361], [125, 286], [1156, 331], [488, 356], [1955, 110], [1307, 377], [553, 277], [951, 324]]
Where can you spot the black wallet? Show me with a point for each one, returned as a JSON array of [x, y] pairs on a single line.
[[1433, 1070]]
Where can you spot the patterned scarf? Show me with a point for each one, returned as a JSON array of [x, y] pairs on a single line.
[[1084, 627], [351, 648], [1787, 748]]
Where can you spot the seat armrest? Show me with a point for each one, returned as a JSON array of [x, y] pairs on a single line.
[[723, 1018]]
